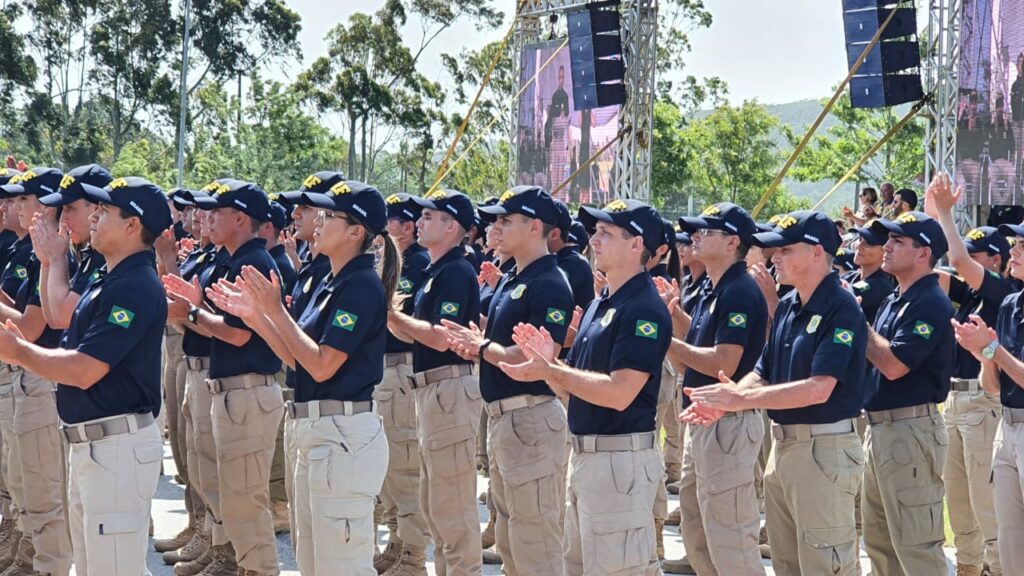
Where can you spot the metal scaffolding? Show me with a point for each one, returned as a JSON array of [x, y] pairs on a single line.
[[632, 177]]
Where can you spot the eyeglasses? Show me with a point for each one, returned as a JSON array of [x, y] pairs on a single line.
[[325, 215], [705, 232]]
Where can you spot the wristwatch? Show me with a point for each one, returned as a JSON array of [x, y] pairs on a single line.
[[483, 346], [989, 351], [193, 315]]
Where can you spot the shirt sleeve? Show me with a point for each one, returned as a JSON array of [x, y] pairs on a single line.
[[842, 339], [738, 315], [353, 314], [641, 340], [119, 323], [917, 331], [550, 306]]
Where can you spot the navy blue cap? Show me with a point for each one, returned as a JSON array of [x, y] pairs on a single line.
[[188, 198], [39, 182], [578, 234], [765, 227], [530, 201], [844, 259], [279, 216], [632, 216], [176, 196], [807, 226], [684, 238], [987, 239], [918, 226], [320, 182], [355, 198], [490, 201], [453, 202], [1011, 230], [402, 207], [724, 216], [72, 185], [564, 219], [670, 232], [138, 196], [246, 197], [869, 235]]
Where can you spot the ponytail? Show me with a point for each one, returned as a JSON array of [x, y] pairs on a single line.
[[673, 262], [390, 269]]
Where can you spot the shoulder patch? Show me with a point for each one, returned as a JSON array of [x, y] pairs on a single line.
[[426, 287], [449, 308], [518, 292], [737, 320], [646, 329], [843, 336], [405, 285], [923, 329], [344, 320], [606, 320], [555, 316], [862, 286], [121, 317], [20, 272], [812, 326]]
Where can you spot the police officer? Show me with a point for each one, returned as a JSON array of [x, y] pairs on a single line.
[[526, 422], [869, 282], [400, 494], [810, 378], [1002, 372], [271, 232], [910, 348], [611, 379], [720, 520], [108, 368], [37, 446], [337, 347], [971, 415], [447, 394], [247, 402], [577, 269]]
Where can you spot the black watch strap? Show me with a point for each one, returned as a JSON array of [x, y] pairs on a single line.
[[483, 347]]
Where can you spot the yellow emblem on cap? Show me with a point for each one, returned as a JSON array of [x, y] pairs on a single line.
[[786, 221], [311, 181], [14, 179], [617, 206], [27, 176], [119, 183], [437, 195], [67, 181], [273, 197], [506, 196], [775, 219], [906, 218], [215, 188], [340, 188], [4, 172], [975, 235], [394, 199], [712, 210]]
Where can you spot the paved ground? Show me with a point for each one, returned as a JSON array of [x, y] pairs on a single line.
[[169, 517]]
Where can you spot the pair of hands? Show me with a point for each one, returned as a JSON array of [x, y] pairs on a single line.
[[710, 403], [974, 335], [50, 241], [940, 197], [250, 295], [537, 345]]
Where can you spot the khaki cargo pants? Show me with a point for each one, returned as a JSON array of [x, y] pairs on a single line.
[[245, 426], [902, 501], [201, 450], [720, 520], [972, 420], [667, 418], [8, 507], [1008, 473], [400, 494], [174, 390], [608, 526], [341, 464], [810, 483], [39, 449], [111, 486], [527, 471], [447, 417]]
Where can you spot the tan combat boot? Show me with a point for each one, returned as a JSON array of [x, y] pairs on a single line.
[[279, 512], [487, 537], [659, 535], [968, 570], [9, 538], [681, 566], [386, 559], [193, 567], [195, 548], [178, 541], [22, 565], [413, 562], [223, 563]]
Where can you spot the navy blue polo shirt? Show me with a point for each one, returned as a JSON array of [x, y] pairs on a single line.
[[16, 270], [179, 231], [449, 292], [538, 295], [194, 258], [916, 324], [486, 292], [209, 264], [7, 239], [630, 329], [1010, 327], [827, 336], [872, 290], [28, 295], [985, 303], [119, 321], [89, 267], [255, 357], [312, 273], [691, 289], [348, 312], [415, 260], [579, 274], [733, 312], [284, 267]]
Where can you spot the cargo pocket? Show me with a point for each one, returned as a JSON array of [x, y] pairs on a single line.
[[620, 542], [837, 546], [147, 473], [842, 465], [524, 426], [269, 398], [348, 526], [33, 386], [112, 524], [532, 489], [452, 451], [319, 469], [727, 433], [725, 504], [239, 465], [921, 514], [624, 467], [40, 453], [236, 404]]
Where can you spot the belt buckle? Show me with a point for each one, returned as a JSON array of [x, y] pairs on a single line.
[[313, 408], [133, 423], [589, 443]]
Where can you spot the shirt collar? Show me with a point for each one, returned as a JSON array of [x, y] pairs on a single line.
[[449, 256], [413, 248], [141, 258], [537, 267], [361, 262], [635, 284], [819, 300], [733, 272], [251, 246], [922, 284], [277, 250]]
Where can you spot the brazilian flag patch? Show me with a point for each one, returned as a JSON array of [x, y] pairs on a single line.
[[20, 272], [737, 320], [923, 330], [646, 329], [843, 336], [345, 320], [405, 285], [121, 317], [556, 316], [449, 308]]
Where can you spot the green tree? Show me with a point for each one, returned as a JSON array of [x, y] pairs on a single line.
[[19, 69]]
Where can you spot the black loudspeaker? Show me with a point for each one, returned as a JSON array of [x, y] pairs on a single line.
[[890, 74], [595, 47]]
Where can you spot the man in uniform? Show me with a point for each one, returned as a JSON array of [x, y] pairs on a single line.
[[447, 394], [810, 378], [869, 282], [911, 351], [108, 368], [396, 404], [611, 379], [247, 401], [720, 520], [526, 422], [971, 415], [577, 269]]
